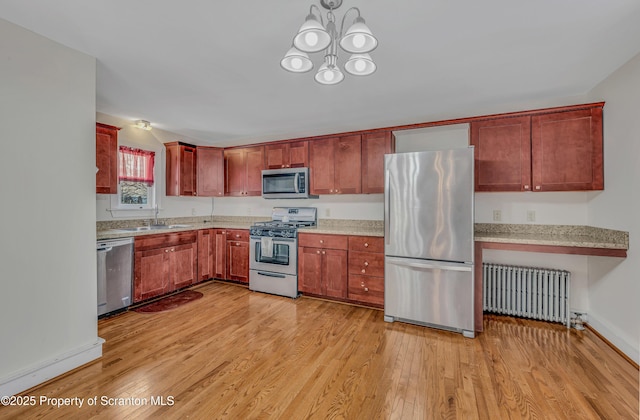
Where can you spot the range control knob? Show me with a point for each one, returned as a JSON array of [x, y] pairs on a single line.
[[286, 233], [271, 233]]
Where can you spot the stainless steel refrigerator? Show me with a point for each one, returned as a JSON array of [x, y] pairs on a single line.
[[429, 247]]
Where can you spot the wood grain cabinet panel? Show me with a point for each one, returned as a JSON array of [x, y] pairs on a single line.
[[322, 265], [238, 261], [237, 255], [106, 159], [243, 171], [567, 151], [502, 154], [366, 289], [336, 165], [549, 150], [164, 263], [287, 155], [220, 254], [309, 270], [180, 169], [210, 171], [374, 147], [206, 253], [366, 270]]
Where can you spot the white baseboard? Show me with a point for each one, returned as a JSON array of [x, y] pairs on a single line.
[[32, 376], [627, 348]]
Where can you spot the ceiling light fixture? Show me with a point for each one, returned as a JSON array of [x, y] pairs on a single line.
[[315, 36], [145, 125]]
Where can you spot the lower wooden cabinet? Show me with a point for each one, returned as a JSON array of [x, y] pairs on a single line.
[[219, 253], [164, 263], [366, 270], [206, 252], [322, 265], [237, 255]]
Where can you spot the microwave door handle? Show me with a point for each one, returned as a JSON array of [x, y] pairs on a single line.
[[296, 179]]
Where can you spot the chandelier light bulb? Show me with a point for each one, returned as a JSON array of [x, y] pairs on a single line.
[[296, 63], [328, 76], [311, 39], [358, 40]]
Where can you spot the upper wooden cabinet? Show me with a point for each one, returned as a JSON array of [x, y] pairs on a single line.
[[336, 165], [181, 169], [210, 172], [243, 171], [374, 147], [502, 154], [566, 151], [293, 154], [546, 151], [106, 159]]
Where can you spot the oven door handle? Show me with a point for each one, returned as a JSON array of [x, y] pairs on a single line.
[[280, 276], [275, 240]]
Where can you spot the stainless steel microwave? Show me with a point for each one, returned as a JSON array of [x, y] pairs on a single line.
[[286, 183]]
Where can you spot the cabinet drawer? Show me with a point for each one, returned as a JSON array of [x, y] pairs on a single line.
[[366, 264], [366, 289], [241, 235], [323, 241], [366, 244], [162, 240]]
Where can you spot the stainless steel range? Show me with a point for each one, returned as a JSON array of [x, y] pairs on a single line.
[[273, 252]]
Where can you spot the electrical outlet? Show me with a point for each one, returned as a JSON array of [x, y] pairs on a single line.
[[327, 212], [497, 215], [193, 211], [531, 216]]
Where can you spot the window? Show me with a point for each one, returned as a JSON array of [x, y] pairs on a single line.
[[135, 178]]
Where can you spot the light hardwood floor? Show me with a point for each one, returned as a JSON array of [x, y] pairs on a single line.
[[238, 354]]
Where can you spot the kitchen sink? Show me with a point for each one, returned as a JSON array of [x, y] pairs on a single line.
[[153, 227]]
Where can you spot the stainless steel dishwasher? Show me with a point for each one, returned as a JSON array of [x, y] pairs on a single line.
[[115, 274]]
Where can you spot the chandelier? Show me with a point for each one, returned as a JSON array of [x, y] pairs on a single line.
[[314, 36]]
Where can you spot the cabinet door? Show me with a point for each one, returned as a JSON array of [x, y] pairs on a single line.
[[187, 170], [234, 163], [502, 154], [183, 265], [180, 169], [106, 159], [347, 158], [151, 277], [322, 167], [374, 147], [238, 261], [298, 154], [277, 156], [205, 254], [310, 270], [210, 172], [220, 254], [567, 151], [253, 172], [334, 272]]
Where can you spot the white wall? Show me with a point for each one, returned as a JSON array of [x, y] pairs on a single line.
[[47, 228], [614, 284]]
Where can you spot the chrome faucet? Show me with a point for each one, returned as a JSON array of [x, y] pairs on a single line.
[[157, 210]]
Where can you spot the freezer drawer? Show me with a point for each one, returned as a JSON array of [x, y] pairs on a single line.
[[432, 293]]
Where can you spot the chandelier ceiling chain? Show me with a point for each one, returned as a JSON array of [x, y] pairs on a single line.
[[314, 36]]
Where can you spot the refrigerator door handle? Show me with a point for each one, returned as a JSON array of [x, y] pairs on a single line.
[[387, 206], [441, 266]]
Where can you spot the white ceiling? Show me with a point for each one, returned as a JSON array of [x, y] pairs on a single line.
[[209, 70]]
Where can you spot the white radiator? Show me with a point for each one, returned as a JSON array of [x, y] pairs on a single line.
[[537, 293]]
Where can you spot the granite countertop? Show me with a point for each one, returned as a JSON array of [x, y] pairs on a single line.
[[554, 235], [113, 229]]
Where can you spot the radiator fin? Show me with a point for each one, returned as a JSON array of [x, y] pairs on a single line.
[[529, 292]]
